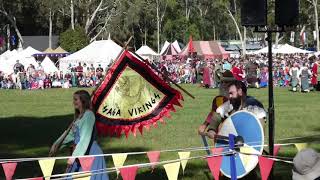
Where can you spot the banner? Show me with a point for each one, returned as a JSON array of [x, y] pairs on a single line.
[[9, 169], [265, 165], [46, 166], [184, 155], [172, 170], [132, 97], [86, 163], [153, 157], [215, 162], [129, 173], [118, 160]]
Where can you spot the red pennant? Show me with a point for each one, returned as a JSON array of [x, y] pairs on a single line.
[[9, 169], [129, 173], [140, 129], [265, 167], [154, 157], [214, 162], [86, 163], [36, 178], [276, 149]]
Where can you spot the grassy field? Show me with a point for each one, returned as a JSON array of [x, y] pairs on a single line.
[[31, 120]]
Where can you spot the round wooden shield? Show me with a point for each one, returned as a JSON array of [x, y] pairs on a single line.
[[246, 125]]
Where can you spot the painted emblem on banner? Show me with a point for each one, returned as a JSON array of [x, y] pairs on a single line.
[[132, 97]]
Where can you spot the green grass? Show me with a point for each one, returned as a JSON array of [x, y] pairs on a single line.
[[31, 120]]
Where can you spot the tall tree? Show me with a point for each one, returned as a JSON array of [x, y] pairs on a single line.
[[10, 10], [49, 8]]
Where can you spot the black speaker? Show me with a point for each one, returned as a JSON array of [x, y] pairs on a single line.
[[286, 12], [253, 12]]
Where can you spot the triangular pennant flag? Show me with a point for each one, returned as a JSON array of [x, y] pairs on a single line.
[[129, 173], [265, 165], [86, 162], [9, 169], [85, 176], [46, 166], [118, 160], [276, 149], [172, 170], [154, 157], [36, 178], [184, 155], [301, 146], [215, 161]]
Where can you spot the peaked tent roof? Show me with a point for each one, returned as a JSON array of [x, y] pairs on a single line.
[[8, 54], [176, 46], [170, 51], [48, 65], [146, 50], [48, 50], [282, 49], [25, 58], [164, 47], [206, 49], [60, 50], [98, 52]]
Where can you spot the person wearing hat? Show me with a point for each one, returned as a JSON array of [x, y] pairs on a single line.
[[213, 118], [306, 165]]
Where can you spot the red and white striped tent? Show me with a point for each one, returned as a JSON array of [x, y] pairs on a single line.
[[205, 49]]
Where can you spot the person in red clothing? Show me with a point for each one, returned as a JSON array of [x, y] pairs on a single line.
[[79, 70], [314, 72], [237, 72], [207, 79]]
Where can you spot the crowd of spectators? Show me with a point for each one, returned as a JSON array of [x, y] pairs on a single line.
[[297, 72]]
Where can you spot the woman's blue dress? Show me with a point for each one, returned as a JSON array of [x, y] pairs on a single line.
[[83, 136]]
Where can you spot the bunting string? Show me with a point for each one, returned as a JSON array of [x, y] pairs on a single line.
[[192, 149], [82, 174]]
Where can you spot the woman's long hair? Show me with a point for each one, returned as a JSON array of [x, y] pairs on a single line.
[[85, 99]]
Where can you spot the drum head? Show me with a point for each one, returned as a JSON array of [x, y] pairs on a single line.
[[248, 126]]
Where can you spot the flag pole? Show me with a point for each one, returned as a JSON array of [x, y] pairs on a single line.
[[66, 132], [165, 76]]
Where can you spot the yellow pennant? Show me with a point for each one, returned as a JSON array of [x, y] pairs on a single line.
[[46, 166], [85, 176], [118, 160], [184, 155], [301, 146], [172, 170]]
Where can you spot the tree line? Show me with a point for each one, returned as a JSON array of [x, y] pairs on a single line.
[[150, 22]]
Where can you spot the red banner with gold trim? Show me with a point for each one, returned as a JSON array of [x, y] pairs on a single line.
[[132, 97]]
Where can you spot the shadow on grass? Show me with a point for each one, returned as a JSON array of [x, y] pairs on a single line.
[[32, 137]]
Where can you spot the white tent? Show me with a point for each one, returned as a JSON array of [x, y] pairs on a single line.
[[8, 54], [146, 52], [4, 67], [25, 58], [164, 47], [98, 52], [176, 46], [48, 66], [282, 49]]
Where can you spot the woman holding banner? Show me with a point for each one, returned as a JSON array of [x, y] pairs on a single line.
[[81, 137]]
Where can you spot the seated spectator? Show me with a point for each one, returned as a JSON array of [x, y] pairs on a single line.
[[306, 165]]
